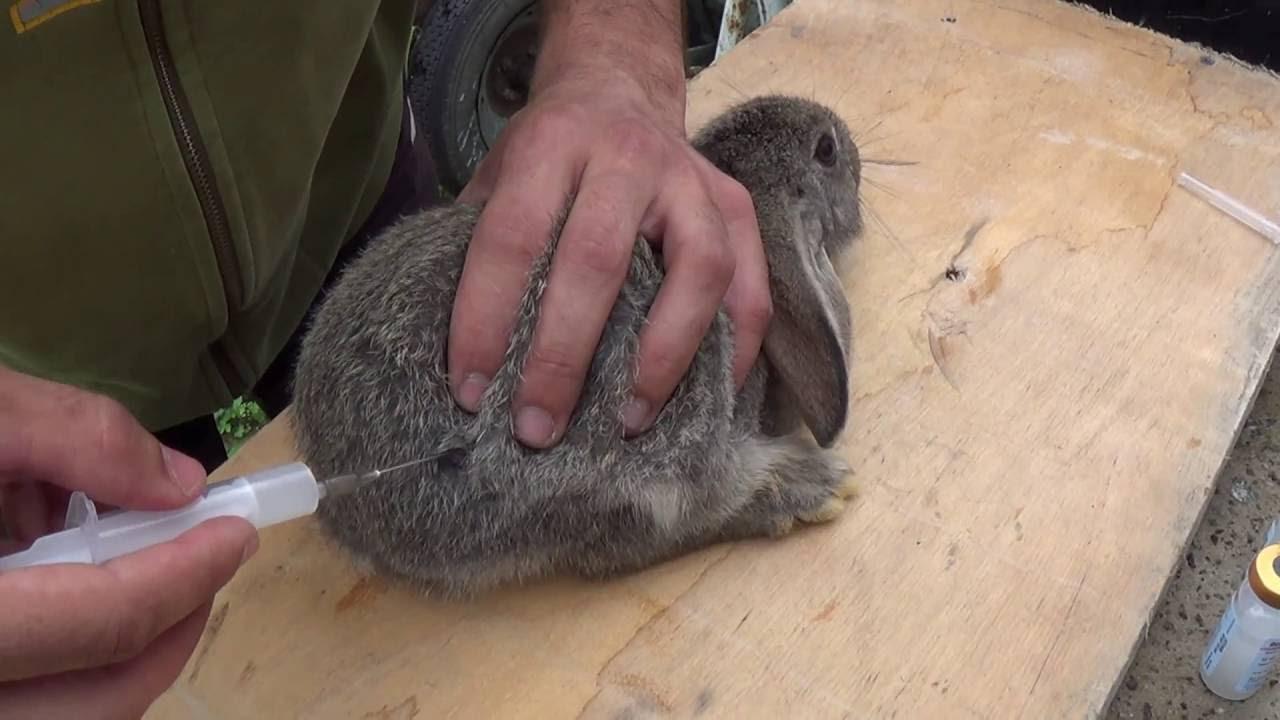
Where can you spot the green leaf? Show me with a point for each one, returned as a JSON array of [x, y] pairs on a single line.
[[238, 422]]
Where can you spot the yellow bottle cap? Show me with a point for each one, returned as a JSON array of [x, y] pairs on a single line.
[[1263, 577]]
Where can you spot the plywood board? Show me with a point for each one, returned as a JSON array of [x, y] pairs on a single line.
[[1034, 432]]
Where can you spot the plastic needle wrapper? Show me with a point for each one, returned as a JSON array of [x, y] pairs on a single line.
[[1229, 205], [264, 498]]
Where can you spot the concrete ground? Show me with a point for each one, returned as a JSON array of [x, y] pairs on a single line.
[[1163, 681]]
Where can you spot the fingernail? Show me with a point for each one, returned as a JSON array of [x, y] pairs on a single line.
[[471, 390], [250, 548], [186, 473], [635, 415], [535, 427]]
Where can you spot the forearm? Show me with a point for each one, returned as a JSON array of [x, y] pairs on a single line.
[[615, 40]]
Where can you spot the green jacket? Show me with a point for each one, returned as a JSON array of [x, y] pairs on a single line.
[[176, 180]]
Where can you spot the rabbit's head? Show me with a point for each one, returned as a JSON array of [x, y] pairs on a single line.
[[800, 164]]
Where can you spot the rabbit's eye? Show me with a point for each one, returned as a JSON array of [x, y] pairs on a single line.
[[825, 151]]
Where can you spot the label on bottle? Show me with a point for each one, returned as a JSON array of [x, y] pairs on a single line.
[[1218, 645], [1261, 666]]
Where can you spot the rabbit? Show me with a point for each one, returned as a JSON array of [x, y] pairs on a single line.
[[717, 465]]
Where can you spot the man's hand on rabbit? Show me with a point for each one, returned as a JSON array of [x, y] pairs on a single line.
[[607, 124], [82, 640]]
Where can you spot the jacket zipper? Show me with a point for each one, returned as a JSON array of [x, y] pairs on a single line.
[[196, 159]]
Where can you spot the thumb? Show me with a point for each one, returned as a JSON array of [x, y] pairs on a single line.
[[80, 440]]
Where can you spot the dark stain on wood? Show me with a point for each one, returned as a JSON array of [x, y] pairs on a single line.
[[211, 631], [991, 280], [366, 590], [827, 611], [703, 703], [250, 669], [404, 711]]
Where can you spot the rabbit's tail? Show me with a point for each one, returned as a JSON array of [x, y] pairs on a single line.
[[777, 484]]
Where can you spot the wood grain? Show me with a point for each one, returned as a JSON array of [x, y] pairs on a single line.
[[1035, 432]]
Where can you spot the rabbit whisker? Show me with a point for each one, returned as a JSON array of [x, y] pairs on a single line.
[[884, 227], [881, 187], [857, 136], [878, 161], [864, 144], [842, 95]]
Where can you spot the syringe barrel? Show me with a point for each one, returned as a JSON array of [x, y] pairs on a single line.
[[263, 498], [284, 493], [121, 533]]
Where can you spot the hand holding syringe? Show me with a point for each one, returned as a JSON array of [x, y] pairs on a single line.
[[266, 497]]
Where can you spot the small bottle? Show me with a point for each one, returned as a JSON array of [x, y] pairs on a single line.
[[1246, 645]]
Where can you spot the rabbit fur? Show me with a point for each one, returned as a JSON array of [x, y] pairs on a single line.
[[718, 464]]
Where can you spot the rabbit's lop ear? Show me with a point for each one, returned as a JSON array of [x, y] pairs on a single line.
[[808, 339]]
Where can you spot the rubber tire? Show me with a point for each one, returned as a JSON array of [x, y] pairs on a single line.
[[445, 69]]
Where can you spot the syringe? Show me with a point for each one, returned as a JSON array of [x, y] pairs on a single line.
[[266, 497]]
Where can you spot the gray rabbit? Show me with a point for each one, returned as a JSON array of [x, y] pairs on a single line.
[[371, 390]]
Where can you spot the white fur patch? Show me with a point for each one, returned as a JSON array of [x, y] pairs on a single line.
[[665, 507]]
